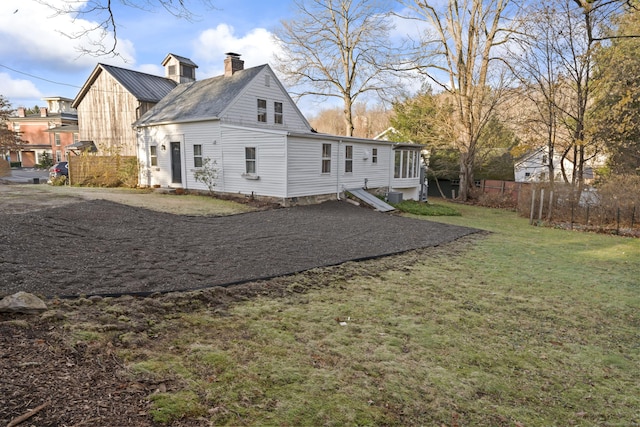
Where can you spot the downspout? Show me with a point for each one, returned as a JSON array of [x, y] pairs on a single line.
[[286, 169], [338, 172], [392, 165]]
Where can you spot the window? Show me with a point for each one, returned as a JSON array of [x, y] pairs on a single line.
[[56, 137], [277, 113], [58, 156], [16, 127], [153, 154], [374, 155], [326, 158], [172, 70], [348, 158], [544, 159], [197, 155], [250, 160], [262, 110], [188, 71], [406, 164]]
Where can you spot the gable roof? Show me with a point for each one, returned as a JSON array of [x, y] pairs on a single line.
[[203, 99], [180, 59], [144, 87]]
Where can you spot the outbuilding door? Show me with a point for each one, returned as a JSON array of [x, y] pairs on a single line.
[[176, 163]]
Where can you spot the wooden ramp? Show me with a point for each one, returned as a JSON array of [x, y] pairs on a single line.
[[370, 199]]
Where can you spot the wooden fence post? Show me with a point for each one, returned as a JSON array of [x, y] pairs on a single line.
[[533, 204], [541, 206]]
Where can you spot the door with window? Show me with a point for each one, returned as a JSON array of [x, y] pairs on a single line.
[[176, 163]]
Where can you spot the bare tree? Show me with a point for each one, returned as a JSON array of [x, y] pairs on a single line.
[[537, 65], [104, 19], [457, 52], [337, 49], [557, 64]]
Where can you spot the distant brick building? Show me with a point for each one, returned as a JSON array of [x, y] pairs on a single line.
[[50, 131]]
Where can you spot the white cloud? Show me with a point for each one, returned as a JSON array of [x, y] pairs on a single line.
[[32, 33], [12, 88], [256, 47]]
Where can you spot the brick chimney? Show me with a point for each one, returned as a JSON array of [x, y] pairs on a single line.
[[21, 112], [43, 112], [232, 63]]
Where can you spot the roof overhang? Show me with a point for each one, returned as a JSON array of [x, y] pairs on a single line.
[[83, 146]]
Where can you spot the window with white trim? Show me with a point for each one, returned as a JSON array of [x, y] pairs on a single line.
[[348, 158], [406, 164], [197, 155], [326, 158], [374, 155], [262, 110], [250, 160], [56, 137], [277, 113], [153, 155]]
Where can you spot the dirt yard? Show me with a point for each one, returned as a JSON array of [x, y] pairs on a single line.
[[99, 242]]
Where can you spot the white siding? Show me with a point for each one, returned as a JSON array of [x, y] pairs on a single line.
[[244, 111], [206, 134], [305, 167], [270, 176]]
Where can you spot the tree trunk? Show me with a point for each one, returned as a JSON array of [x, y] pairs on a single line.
[[466, 176], [348, 116]]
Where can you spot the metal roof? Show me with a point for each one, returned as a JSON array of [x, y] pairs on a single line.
[[203, 99], [145, 87], [181, 59]]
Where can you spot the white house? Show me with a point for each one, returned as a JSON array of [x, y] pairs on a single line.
[[250, 129], [534, 166]]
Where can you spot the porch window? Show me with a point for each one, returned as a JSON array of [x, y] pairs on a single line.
[[197, 155], [277, 113], [250, 160], [153, 154], [406, 164], [326, 158], [262, 110], [348, 158]]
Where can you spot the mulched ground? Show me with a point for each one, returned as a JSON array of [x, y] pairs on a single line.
[[48, 378], [100, 247]]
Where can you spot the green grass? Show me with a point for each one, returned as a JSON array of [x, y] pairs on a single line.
[[526, 325], [427, 209]]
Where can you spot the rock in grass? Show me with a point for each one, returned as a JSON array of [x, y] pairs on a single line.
[[22, 302]]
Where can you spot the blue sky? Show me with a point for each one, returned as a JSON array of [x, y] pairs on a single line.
[[37, 61]]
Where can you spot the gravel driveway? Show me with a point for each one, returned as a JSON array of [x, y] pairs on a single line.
[[99, 247]]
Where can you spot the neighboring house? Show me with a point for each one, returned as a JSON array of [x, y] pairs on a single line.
[[49, 131], [534, 167], [260, 143], [113, 98]]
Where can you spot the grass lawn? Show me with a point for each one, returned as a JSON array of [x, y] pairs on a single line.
[[525, 326]]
